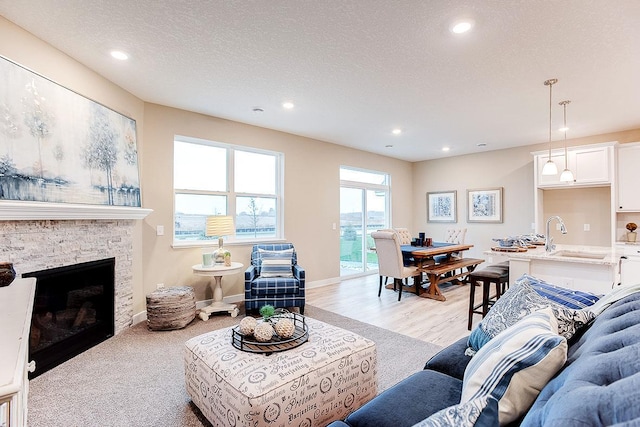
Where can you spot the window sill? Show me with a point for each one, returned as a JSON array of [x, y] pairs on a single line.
[[214, 243]]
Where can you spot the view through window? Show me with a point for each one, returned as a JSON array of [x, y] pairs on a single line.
[[364, 207], [211, 178]]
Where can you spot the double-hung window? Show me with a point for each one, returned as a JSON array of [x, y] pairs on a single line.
[[211, 178]]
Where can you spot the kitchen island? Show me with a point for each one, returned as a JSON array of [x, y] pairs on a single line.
[[587, 268]]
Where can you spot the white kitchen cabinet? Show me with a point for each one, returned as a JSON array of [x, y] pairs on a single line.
[[629, 264], [15, 323], [591, 166], [628, 199]]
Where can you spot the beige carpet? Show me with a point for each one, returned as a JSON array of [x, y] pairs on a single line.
[[137, 377]]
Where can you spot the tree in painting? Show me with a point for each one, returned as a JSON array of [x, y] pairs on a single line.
[[101, 151], [38, 119]]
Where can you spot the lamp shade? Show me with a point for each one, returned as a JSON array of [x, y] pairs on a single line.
[[550, 168], [220, 225]]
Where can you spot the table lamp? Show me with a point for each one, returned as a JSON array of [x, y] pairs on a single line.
[[219, 225]]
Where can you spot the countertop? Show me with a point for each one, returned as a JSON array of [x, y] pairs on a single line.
[[595, 255]]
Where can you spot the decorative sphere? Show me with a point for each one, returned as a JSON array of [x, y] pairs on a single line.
[[247, 325], [263, 332], [285, 328]]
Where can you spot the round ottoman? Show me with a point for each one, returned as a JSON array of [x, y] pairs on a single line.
[[171, 308]]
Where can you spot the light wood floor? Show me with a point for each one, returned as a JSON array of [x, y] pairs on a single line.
[[433, 321]]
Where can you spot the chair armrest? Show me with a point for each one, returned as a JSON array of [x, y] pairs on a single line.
[[250, 273], [299, 273], [451, 360]]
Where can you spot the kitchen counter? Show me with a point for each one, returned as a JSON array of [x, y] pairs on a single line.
[[588, 268], [598, 255]]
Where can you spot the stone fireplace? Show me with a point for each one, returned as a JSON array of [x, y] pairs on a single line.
[[34, 245]]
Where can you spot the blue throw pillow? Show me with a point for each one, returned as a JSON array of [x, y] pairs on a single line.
[[568, 297], [276, 263], [517, 302]]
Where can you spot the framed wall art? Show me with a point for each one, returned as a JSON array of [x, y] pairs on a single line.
[[441, 206], [58, 146], [484, 205]]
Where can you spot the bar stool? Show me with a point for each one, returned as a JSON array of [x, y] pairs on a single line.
[[497, 274]]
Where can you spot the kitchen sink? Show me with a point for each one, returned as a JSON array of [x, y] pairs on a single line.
[[579, 254]]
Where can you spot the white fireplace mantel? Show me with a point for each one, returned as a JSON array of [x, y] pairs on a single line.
[[20, 211]]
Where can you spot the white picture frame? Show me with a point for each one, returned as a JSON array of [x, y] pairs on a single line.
[[442, 206], [484, 205]]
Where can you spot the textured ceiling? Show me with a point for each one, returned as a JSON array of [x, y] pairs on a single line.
[[357, 69]]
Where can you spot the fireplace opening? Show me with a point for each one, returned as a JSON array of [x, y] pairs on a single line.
[[72, 312]]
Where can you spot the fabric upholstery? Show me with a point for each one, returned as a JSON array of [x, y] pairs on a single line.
[[480, 412], [408, 402], [276, 263], [455, 235], [280, 292], [515, 365], [517, 302], [451, 360], [568, 297], [404, 235], [600, 384]]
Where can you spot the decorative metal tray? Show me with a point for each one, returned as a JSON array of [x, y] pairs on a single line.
[[249, 343]]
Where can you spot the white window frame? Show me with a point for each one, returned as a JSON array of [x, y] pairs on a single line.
[[231, 195]]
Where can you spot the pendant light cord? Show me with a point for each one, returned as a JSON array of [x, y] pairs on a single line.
[[550, 83]]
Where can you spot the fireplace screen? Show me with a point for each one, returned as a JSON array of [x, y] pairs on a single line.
[[72, 312]]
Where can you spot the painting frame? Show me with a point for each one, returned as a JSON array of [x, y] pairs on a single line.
[[485, 205], [442, 206], [58, 146]]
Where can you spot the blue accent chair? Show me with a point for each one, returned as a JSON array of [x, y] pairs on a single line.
[[280, 292]]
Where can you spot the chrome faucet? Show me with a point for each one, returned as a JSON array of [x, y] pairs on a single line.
[[548, 240]]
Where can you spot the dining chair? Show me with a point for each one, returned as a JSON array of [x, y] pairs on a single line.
[[390, 261], [455, 236]]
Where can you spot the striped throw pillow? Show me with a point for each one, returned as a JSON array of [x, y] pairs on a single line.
[[515, 365]]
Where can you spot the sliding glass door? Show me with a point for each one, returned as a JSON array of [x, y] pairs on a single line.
[[364, 207]]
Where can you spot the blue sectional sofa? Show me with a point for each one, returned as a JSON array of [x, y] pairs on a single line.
[[599, 384]]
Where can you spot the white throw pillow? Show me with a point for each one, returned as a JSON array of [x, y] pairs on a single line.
[[274, 267], [515, 365]]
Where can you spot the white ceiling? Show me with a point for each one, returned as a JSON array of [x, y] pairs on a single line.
[[356, 69]]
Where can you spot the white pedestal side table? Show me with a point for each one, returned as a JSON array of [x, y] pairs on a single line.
[[217, 271]]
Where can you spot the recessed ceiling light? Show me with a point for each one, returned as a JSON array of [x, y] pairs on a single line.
[[288, 105], [462, 26], [388, 146], [257, 110], [563, 129], [445, 148], [482, 144], [118, 54], [396, 131]]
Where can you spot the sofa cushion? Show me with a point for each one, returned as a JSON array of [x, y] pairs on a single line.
[[515, 365], [600, 384], [275, 286], [480, 412], [517, 302], [408, 402]]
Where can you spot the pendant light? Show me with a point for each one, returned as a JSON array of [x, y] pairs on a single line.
[[566, 175], [550, 168]]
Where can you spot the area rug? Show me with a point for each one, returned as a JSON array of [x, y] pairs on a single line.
[[137, 377]]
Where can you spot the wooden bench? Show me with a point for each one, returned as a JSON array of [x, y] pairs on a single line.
[[445, 272]]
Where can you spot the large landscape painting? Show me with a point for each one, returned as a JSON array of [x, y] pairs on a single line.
[[58, 146]]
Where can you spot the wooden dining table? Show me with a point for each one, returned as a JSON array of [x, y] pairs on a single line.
[[442, 269]]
